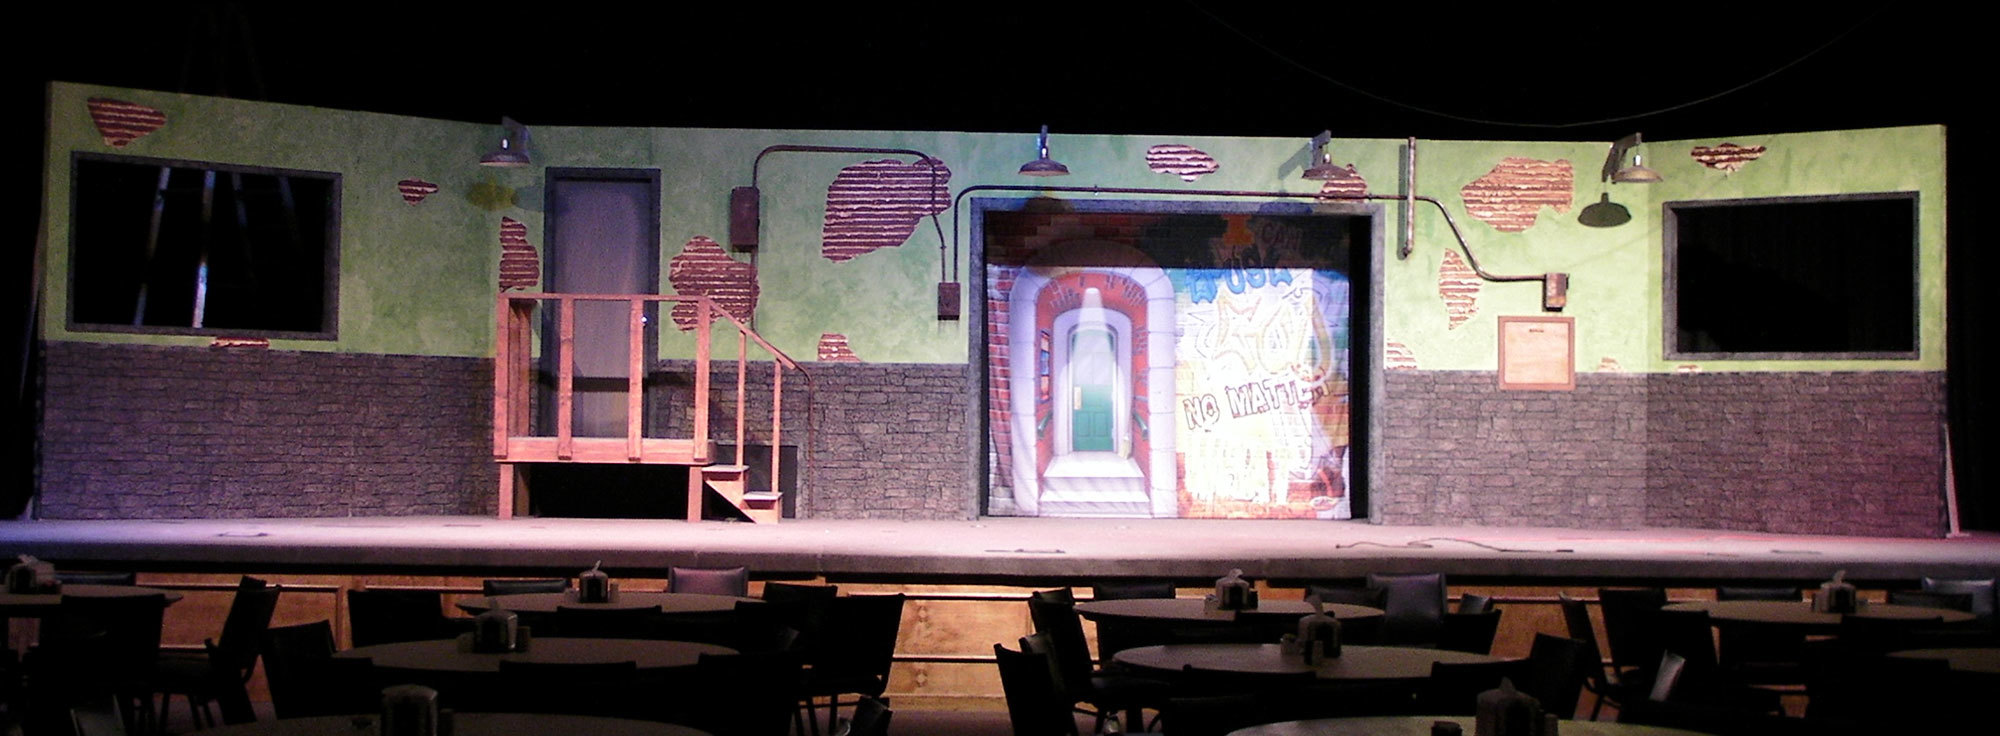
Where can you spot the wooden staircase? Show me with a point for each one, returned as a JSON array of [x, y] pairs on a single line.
[[514, 445]]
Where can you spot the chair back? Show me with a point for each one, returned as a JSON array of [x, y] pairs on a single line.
[[305, 679], [868, 626], [1118, 590], [533, 585], [710, 580], [389, 615], [1059, 634], [1413, 606], [1469, 632], [800, 608], [1034, 708], [1628, 626], [1932, 599], [1556, 670], [1737, 593], [242, 639], [113, 641], [1667, 677], [750, 694]]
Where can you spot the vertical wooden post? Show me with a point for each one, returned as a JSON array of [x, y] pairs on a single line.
[[742, 375], [694, 493], [635, 378], [503, 354], [701, 353], [566, 379], [777, 423]]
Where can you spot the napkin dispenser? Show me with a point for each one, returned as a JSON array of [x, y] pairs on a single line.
[[409, 710], [31, 575], [593, 585], [496, 630], [1233, 593], [1836, 595], [1505, 711], [1318, 635]]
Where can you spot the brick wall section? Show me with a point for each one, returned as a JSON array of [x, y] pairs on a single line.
[[888, 440], [1457, 450], [1827, 453], [175, 432], [1814, 453]]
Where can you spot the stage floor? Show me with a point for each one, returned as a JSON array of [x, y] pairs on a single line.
[[995, 550]]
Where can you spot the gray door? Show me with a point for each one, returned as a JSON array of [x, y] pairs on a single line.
[[603, 238]]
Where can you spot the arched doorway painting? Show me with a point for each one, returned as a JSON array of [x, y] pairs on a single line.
[[1187, 365]]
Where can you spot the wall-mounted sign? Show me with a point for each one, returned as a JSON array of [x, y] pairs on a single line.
[[1538, 353]]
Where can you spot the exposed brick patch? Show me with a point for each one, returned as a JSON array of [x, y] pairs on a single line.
[[833, 349], [1512, 195], [1609, 365], [415, 190], [1178, 159], [1397, 357], [520, 265], [148, 432], [1810, 453], [1838, 453], [1727, 158], [1459, 286], [876, 204], [702, 268], [122, 122], [887, 440], [1351, 186]]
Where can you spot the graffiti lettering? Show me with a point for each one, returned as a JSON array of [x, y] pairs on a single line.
[[1258, 397], [1200, 411]]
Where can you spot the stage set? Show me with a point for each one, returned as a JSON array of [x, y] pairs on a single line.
[[886, 360]]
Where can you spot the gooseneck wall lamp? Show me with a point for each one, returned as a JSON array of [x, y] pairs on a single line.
[[1044, 166], [513, 150]]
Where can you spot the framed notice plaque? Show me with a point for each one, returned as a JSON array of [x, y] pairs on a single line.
[[1538, 353]]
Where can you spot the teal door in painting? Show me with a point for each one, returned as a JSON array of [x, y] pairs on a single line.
[[1093, 355]]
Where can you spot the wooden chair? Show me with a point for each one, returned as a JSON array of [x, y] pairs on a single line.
[[306, 680], [1601, 682], [1469, 632], [856, 661], [220, 672], [1034, 708]]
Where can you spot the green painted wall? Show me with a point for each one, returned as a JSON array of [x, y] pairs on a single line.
[[420, 279]]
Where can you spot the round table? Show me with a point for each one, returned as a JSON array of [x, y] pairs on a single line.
[[546, 603], [1800, 614], [1354, 662], [465, 724], [43, 604], [1196, 610], [1984, 660], [1421, 726], [456, 655]]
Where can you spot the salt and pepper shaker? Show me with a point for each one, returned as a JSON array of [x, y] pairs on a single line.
[[593, 585], [409, 710]]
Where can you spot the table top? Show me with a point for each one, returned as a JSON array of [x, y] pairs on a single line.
[[1421, 726], [42, 604], [1962, 659], [1196, 609], [624, 599], [1801, 614], [456, 655], [465, 724], [1354, 662]]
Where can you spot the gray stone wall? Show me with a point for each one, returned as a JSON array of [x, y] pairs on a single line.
[[1813, 453], [139, 432], [1825, 453], [883, 441], [1458, 450]]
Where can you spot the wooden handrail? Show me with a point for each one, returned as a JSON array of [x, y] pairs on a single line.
[[512, 358]]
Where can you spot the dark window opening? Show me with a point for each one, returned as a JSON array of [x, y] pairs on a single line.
[[1792, 278], [195, 248]]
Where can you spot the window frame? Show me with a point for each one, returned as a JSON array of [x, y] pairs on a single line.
[[330, 288], [1670, 284]]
